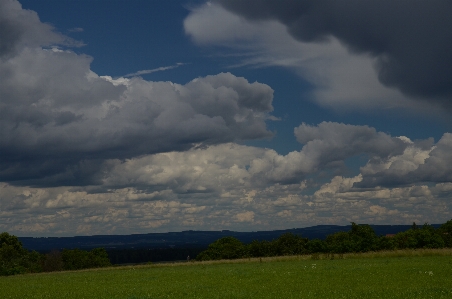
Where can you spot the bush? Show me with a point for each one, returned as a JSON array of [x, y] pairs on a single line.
[[316, 246], [77, 259], [289, 244], [445, 231], [361, 238], [426, 237], [339, 243], [224, 248], [386, 243], [259, 249]]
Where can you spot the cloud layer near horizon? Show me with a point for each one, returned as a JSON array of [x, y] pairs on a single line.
[[89, 154], [243, 188]]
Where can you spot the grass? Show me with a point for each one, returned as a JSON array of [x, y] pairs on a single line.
[[409, 274]]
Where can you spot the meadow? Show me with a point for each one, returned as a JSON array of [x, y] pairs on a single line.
[[395, 274]]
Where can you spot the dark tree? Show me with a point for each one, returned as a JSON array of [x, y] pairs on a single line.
[[14, 259], [224, 248]]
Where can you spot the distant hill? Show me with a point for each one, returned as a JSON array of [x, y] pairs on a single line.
[[187, 239]]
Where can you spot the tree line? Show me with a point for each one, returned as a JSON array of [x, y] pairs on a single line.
[[360, 238], [14, 259]]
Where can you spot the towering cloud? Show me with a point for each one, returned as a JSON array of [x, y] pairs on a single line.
[[59, 120]]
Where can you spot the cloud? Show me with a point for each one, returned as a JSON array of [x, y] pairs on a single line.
[[326, 146], [208, 170], [421, 163], [341, 79], [411, 55], [20, 28], [162, 68], [87, 117], [218, 187], [89, 154], [222, 168], [59, 121], [331, 141], [231, 186], [245, 216], [435, 167], [76, 29]]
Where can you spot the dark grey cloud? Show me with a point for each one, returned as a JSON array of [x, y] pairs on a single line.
[[411, 40], [60, 122], [329, 142], [45, 141], [20, 27]]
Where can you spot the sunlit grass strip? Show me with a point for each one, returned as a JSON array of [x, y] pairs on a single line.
[[322, 256], [413, 274], [387, 254], [372, 254]]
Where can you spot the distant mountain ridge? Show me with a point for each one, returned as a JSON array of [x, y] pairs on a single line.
[[187, 239]]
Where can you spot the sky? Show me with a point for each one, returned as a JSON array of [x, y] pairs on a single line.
[[124, 117]]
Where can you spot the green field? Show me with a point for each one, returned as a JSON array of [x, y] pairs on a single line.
[[295, 277]]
